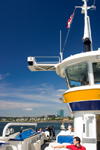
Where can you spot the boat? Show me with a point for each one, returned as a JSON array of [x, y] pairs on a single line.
[[82, 75], [27, 139]]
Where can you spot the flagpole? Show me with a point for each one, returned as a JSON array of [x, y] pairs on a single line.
[[61, 54], [60, 40], [68, 26]]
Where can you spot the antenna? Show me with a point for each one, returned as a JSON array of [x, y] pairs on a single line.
[[87, 39], [61, 54]]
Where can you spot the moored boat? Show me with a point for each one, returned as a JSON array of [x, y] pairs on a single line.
[[27, 139]]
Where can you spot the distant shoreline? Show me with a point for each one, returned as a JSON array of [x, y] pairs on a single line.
[[40, 121]]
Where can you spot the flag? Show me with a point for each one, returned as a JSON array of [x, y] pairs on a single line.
[[70, 20]]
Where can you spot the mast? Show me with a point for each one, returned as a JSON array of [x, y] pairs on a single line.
[[87, 39]]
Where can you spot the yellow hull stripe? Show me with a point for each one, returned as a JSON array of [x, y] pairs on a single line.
[[82, 95]]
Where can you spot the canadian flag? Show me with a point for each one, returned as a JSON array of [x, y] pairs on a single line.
[[70, 20]]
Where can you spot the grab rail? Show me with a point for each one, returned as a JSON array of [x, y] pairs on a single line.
[[17, 124]]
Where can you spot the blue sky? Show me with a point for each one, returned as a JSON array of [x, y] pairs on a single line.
[[32, 28]]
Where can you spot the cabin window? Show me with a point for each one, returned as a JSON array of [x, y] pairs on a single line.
[[77, 75], [96, 72]]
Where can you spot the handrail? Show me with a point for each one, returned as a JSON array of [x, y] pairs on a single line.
[[16, 124]]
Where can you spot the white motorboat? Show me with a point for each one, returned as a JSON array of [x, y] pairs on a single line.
[[82, 74], [27, 139]]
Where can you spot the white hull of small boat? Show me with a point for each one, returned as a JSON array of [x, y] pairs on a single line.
[[24, 140]]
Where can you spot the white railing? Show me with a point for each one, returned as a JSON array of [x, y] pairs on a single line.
[[16, 124]]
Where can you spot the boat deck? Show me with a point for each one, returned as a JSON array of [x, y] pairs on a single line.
[[47, 144]]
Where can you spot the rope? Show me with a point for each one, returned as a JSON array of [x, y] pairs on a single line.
[[68, 33], [66, 39]]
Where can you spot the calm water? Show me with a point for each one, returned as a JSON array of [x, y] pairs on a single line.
[[42, 125]]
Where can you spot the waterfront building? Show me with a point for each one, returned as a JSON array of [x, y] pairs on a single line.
[[60, 113], [51, 116]]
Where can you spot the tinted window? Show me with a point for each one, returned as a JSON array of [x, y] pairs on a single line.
[[96, 72], [77, 75]]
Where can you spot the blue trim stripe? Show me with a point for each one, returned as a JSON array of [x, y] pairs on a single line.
[[16, 139], [85, 105]]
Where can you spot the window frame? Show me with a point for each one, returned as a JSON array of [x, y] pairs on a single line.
[[67, 78], [93, 72]]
